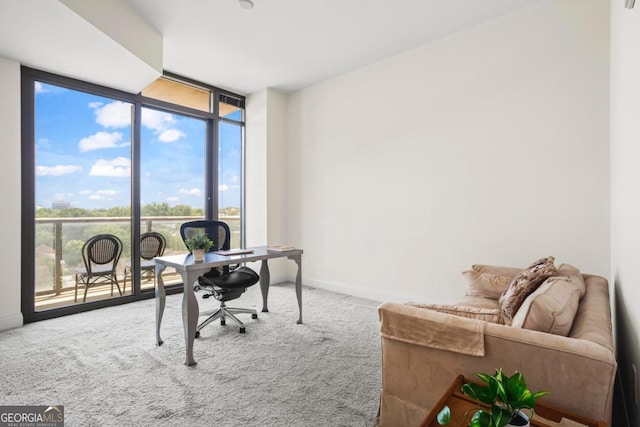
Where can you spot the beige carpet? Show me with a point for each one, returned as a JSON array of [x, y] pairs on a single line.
[[106, 370]]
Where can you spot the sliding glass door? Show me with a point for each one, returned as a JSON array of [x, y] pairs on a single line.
[[82, 188], [172, 179]]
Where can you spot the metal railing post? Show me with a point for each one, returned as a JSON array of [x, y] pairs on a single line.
[[58, 257]]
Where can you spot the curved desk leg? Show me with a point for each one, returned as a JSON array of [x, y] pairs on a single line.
[[265, 279], [298, 260], [160, 300], [189, 314]]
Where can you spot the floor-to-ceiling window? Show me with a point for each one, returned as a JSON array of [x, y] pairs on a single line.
[[230, 159], [100, 161]]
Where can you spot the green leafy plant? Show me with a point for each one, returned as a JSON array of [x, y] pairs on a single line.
[[198, 241], [506, 397]]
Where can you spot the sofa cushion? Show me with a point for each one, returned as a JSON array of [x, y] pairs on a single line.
[[574, 276], [485, 285], [524, 284], [498, 270], [487, 314], [550, 308], [478, 302]]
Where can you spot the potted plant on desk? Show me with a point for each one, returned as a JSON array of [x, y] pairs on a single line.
[[506, 397], [198, 244]]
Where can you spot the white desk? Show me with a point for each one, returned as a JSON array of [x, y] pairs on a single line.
[[190, 270]]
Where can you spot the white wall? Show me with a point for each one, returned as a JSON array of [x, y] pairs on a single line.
[[267, 212], [256, 169], [625, 192], [10, 313], [489, 146]]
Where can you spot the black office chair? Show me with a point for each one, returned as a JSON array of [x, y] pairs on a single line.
[[152, 244], [100, 255], [224, 283]]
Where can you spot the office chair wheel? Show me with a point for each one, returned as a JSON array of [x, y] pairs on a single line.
[[197, 334], [242, 330], [223, 322], [254, 316]]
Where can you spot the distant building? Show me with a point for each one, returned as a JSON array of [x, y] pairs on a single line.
[[60, 205]]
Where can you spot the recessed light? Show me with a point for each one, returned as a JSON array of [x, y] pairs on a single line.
[[246, 4]]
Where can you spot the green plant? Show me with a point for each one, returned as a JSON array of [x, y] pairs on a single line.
[[505, 395], [198, 241]]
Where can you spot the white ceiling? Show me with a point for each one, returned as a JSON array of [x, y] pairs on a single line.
[[283, 44]]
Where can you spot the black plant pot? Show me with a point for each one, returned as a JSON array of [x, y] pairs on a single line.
[[519, 420]]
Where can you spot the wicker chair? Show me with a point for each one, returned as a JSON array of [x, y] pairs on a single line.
[[152, 244], [100, 254]]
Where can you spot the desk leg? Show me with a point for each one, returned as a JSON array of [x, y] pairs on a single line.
[[160, 300], [265, 279], [189, 314], [298, 260]]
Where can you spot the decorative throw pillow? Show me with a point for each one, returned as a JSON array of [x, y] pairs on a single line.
[[524, 284], [488, 315], [551, 308], [574, 277], [485, 285]]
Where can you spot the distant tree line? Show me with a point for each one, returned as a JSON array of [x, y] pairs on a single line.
[[152, 209]]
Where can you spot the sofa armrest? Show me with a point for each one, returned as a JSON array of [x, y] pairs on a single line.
[[433, 329], [578, 373]]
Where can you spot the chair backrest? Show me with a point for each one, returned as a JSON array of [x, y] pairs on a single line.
[[152, 244], [217, 231], [102, 249]]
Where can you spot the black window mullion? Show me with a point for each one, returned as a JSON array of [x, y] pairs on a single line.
[[211, 180], [136, 138], [27, 253]]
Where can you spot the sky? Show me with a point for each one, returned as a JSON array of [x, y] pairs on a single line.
[[83, 154]]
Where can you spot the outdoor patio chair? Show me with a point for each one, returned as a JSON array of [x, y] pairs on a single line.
[[100, 255], [152, 244]]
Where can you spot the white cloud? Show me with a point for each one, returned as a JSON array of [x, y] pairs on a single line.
[[173, 199], [57, 170], [119, 167], [101, 140], [39, 88], [115, 114], [189, 191], [84, 192], [223, 187], [171, 135], [95, 197], [156, 120]]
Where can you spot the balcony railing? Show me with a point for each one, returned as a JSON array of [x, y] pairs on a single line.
[[59, 244]]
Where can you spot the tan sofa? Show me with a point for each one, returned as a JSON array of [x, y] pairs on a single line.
[[425, 347]]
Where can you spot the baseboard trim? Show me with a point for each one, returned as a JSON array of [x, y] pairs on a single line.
[[278, 280], [370, 294], [10, 322]]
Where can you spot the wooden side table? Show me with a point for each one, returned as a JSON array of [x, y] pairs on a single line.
[[461, 405]]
